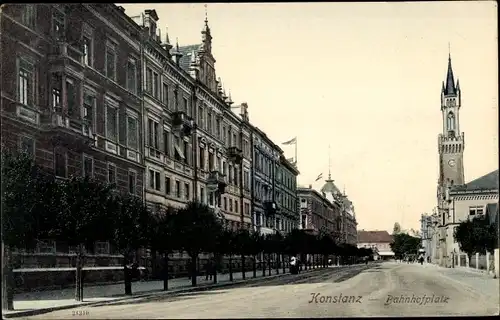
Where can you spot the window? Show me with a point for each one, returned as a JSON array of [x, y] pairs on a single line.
[[211, 162], [186, 107], [88, 166], [132, 182], [476, 210], [131, 76], [246, 179], [101, 248], [202, 195], [156, 85], [111, 173], [217, 127], [27, 145], [209, 123], [166, 142], [450, 121], [202, 158], [177, 189], [186, 151], [60, 164], [153, 127], [87, 51], [46, 246], [236, 206], [200, 117], [186, 191], [247, 209], [132, 132], [211, 198], [154, 180], [111, 61], [88, 108], [235, 142], [58, 27], [111, 123], [165, 95], [149, 80], [230, 205], [225, 203], [71, 99], [26, 79], [167, 185], [28, 16]]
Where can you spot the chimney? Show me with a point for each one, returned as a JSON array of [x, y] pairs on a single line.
[[244, 111], [310, 186], [122, 9]]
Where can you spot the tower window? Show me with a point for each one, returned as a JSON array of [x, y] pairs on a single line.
[[450, 124]]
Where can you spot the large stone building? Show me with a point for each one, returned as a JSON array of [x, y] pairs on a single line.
[[318, 213], [456, 200], [89, 90]]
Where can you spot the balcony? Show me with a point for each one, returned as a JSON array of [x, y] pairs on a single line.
[[270, 207], [71, 131], [235, 154], [216, 181], [63, 52], [182, 123]]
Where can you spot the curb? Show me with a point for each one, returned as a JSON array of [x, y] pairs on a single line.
[[33, 312]]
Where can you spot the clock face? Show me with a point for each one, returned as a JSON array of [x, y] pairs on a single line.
[[451, 163]]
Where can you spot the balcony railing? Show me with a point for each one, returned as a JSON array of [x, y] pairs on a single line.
[[235, 154], [182, 123], [270, 207], [216, 181]]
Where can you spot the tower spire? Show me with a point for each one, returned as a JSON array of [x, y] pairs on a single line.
[[206, 15], [450, 80]]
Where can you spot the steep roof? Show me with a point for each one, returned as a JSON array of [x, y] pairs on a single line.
[[374, 237], [450, 80], [330, 187], [487, 182], [186, 52]]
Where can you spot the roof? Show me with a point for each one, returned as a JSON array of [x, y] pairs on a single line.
[[330, 187], [374, 237], [450, 81], [487, 182], [186, 52]]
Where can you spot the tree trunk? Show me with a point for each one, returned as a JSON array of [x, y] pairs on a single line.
[[270, 264], [243, 267], [127, 274], [214, 266], [165, 272], [284, 263], [230, 267], [78, 274], [278, 263], [254, 266], [193, 269], [7, 279], [262, 261]]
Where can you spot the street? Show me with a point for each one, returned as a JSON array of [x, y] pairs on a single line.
[[388, 289]]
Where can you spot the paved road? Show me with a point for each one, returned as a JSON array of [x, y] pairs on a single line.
[[383, 290]]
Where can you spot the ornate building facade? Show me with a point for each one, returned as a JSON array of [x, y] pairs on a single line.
[[91, 91]]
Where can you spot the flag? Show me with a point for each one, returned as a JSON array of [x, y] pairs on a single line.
[[292, 141], [319, 177]]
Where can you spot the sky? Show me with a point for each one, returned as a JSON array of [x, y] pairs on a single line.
[[362, 78]]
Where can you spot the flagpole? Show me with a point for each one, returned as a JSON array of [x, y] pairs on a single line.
[[296, 162]]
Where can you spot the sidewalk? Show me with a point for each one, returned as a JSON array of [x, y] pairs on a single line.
[[31, 303]]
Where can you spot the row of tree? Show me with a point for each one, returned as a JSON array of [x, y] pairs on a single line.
[[404, 245], [81, 211]]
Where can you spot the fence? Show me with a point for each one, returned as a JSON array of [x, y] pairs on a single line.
[[482, 263], [473, 262]]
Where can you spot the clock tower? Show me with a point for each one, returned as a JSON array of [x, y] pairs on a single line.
[[451, 140]]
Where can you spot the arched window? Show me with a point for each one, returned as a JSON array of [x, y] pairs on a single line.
[[450, 124]]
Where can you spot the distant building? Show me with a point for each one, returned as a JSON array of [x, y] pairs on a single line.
[[378, 241], [317, 212]]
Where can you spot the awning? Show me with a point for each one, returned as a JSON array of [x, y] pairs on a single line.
[[179, 151], [385, 253]]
